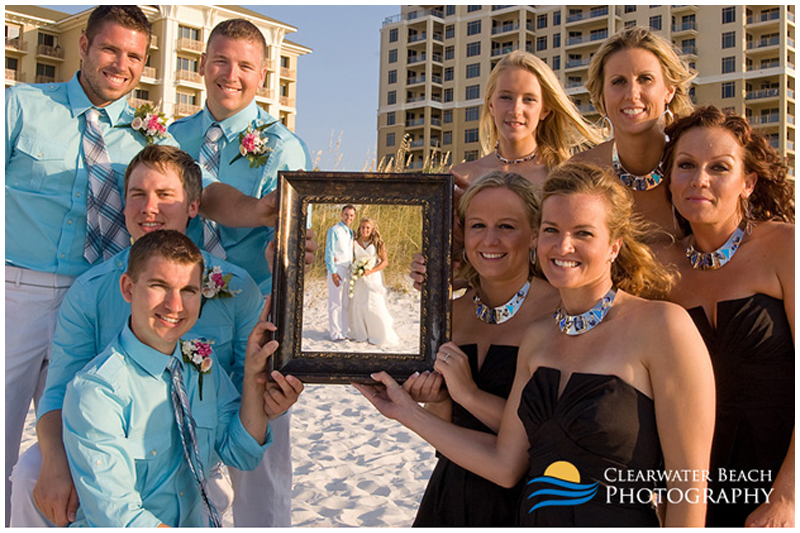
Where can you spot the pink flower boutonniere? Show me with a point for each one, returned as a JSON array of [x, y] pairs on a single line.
[[253, 144], [216, 284], [198, 353], [150, 122]]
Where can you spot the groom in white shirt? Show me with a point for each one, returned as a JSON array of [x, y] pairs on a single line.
[[338, 257]]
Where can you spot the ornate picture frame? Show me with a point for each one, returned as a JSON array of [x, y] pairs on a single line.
[[298, 190]]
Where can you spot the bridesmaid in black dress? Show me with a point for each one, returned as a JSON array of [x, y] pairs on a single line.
[[730, 189], [609, 390], [497, 213]]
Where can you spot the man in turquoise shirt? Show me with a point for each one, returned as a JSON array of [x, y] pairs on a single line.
[[234, 67], [162, 191], [125, 449], [46, 187]]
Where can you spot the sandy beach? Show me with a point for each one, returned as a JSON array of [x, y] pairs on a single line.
[[352, 466]]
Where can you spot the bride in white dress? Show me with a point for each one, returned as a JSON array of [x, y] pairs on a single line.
[[368, 316]]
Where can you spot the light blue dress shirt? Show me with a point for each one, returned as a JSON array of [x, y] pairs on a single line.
[[335, 244], [93, 312], [122, 440], [46, 178], [244, 246]]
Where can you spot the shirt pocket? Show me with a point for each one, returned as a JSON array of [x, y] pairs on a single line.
[[150, 453], [205, 418], [39, 165]]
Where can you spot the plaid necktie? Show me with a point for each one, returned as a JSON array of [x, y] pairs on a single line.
[[105, 224], [209, 159], [187, 429]]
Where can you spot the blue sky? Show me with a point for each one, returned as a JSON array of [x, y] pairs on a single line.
[[337, 82]]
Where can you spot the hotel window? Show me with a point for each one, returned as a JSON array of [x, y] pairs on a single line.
[[449, 10], [448, 95], [474, 49], [449, 52], [728, 14], [447, 116], [474, 27], [448, 74], [728, 64], [471, 155], [472, 92], [447, 138], [728, 89], [185, 32], [471, 135], [186, 99], [473, 70], [393, 56], [470, 9], [392, 76], [556, 40], [630, 9], [556, 18], [472, 113], [655, 23], [390, 118], [556, 62], [541, 22], [630, 24], [46, 73], [393, 35], [390, 139], [729, 39], [449, 31], [541, 44], [187, 64], [391, 98]]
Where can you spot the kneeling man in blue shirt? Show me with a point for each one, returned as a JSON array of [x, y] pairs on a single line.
[[149, 416]]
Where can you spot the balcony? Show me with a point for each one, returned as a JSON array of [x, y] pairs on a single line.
[[414, 99], [418, 143], [185, 110], [775, 63], [764, 17], [573, 84], [137, 102], [149, 72], [578, 63], [690, 26], [263, 92], [288, 73], [45, 79], [594, 13], [763, 93], [436, 122], [505, 28], [589, 39], [586, 109], [285, 101], [188, 75], [436, 79], [416, 59], [689, 51], [678, 9], [764, 120], [190, 45], [764, 43], [503, 50], [417, 122], [414, 15], [416, 80], [418, 37], [15, 75], [153, 42], [50, 52], [15, 44]]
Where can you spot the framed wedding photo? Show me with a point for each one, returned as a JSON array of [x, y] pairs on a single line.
[[368, 317]]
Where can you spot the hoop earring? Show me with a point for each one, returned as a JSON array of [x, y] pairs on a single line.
[[607, 120], [464, 256], [747, 213], [532, 257], [662, 123]]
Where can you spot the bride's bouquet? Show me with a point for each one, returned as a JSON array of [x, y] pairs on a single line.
[[357, 271]]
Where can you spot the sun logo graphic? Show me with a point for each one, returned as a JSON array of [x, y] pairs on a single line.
[[560, 485]]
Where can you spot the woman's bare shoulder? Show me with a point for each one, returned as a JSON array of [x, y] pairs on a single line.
[[599, 155]]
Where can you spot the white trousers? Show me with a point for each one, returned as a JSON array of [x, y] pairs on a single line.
[[339, 302], [32, 302], [262, 497]]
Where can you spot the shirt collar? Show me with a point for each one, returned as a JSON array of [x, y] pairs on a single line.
[[233, 125], [150, 359], [79, 102]]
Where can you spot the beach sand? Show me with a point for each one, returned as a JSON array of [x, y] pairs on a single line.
[[352, 466]]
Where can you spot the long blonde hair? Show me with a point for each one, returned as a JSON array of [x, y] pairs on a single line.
[[515, 183], [676, 73], [636, 269], [375, 237], [560, 132]]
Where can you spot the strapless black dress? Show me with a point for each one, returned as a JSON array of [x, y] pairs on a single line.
[[604, 428], [753, 356], [456, 497]]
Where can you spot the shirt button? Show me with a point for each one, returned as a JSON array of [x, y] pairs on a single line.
[[39, 154], [99, 462], [69, 222], [153, 452], [180, 493], [78, 194], [63, 256]]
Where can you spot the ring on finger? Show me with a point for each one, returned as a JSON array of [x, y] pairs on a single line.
[[446, 357]]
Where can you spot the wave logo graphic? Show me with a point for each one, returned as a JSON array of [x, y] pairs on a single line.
[[561, 485]]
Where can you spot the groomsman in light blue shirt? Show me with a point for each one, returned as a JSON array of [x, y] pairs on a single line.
[[234, 67], [145, 420], [338, 257]]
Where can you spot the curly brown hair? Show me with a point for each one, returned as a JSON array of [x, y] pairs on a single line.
[[773, 196], [636, 269]]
